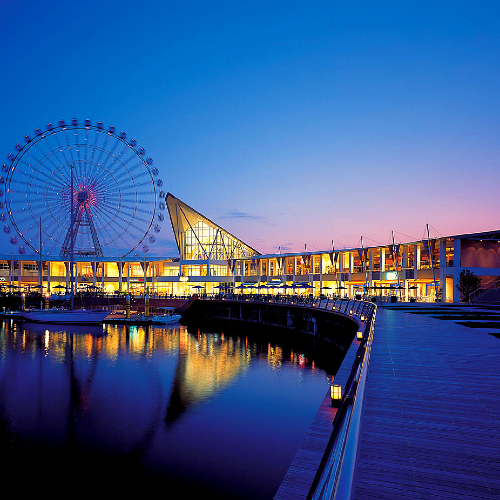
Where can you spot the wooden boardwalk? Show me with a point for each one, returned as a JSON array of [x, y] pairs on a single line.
[[432, 414]]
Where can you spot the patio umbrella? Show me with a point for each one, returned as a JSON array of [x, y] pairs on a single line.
[[303, 285]]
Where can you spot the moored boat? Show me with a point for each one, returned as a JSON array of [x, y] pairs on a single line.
[[167, 317], [69, 316]]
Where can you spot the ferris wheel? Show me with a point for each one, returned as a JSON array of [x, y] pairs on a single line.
[[83, 189]]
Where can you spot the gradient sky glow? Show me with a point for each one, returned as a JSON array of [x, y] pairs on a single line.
[[287, 123]]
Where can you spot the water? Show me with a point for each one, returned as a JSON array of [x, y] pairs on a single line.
[[120, 409]]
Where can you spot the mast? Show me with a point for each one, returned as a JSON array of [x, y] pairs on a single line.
[[432, 263], [40, 264], [396, 255], [363, 264], [72, 241]]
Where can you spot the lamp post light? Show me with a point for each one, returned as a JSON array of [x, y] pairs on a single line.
[[359, 335], [335, 395], [47, 296]]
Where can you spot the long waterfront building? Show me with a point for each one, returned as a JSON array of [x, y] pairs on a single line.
[[211, 260]]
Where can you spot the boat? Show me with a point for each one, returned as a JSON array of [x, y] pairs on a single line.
[[8, 314], [167, 317], [68, 316]]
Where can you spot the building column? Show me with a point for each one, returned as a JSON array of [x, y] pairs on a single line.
[[417, 257], [457, 268], [48, 275], [153, 276], [120, 275], [68, 273], [404, 262], [128, 277], [442, 268], [382, 260], [321, 274], [456, 278], [457, 260]]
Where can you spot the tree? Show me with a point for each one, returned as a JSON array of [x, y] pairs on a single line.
[[468, 283]]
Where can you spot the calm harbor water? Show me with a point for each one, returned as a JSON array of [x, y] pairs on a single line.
[[120, 408]]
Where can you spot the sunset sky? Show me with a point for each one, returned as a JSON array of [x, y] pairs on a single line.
[[287, 123]]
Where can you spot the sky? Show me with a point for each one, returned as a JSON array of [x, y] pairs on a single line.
[[289, 124]]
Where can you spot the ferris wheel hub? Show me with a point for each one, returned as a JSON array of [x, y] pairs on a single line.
[[82, 196]]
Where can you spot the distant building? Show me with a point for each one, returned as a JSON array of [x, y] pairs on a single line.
[[211, 260]]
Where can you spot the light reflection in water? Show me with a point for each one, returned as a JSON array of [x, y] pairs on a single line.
[[157, 402]]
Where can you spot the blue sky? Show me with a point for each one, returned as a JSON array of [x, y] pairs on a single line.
[[287, 123]]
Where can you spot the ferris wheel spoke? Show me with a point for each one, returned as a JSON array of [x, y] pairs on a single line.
[[38, 162], [111, 154], [61, 148], [103, 148], [69, 145], [117, 231], [100, 174]]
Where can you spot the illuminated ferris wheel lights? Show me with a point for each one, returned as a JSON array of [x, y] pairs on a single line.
[[99, 195]]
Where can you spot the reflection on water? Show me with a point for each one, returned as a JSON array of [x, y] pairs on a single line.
[[218, 413]]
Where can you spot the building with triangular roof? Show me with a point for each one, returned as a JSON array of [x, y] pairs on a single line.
[[198, 238]]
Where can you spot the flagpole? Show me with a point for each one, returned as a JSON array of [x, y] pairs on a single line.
[[432, 263]]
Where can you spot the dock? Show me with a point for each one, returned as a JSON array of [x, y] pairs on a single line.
[[432, 411]]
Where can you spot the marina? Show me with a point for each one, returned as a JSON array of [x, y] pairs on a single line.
[[156, 405]]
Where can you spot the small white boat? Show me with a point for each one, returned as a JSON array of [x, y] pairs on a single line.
[[68, 316], [11, 314], [168, 317]]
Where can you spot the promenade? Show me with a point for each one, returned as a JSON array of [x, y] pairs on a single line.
[[432, 411]]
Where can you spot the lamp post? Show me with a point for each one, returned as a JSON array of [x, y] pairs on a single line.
[[335, 395]]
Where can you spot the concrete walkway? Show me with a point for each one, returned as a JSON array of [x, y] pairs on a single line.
[[432, 415]]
